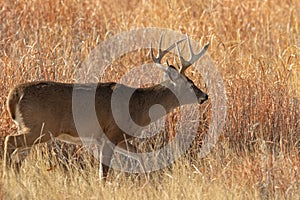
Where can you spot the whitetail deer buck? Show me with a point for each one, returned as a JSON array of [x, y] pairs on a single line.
[[44, 109]]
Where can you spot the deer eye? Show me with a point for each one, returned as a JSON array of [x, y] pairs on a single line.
[[190, 86]]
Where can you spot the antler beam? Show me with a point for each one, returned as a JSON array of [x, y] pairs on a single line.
[[161, 53], [193, 58]]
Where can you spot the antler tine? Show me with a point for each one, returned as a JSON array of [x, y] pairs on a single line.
[[193, 57], [161, 53], [151, 54]]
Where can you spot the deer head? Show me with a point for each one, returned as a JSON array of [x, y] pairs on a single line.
[[178, 81]]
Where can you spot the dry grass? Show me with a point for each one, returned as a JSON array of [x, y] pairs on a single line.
[[255, 45]]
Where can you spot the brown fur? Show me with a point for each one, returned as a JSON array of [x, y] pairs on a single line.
[[41, 108]]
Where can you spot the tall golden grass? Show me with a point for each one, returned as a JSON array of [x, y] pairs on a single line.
[[256, 47]]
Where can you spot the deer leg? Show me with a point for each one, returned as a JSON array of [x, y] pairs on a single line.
[[105, 156], [130, 152], [18, 146]]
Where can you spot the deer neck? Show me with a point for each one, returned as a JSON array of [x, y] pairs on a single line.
[[156, 102], [162, 95]]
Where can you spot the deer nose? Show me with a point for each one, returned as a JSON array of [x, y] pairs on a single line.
[[204, 98]]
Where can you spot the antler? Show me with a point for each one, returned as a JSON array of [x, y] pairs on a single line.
[[161, 53], [193, 58]]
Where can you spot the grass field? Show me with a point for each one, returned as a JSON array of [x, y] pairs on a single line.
[[256, 47]]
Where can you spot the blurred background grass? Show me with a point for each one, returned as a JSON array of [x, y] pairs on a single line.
[[256, 47]]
